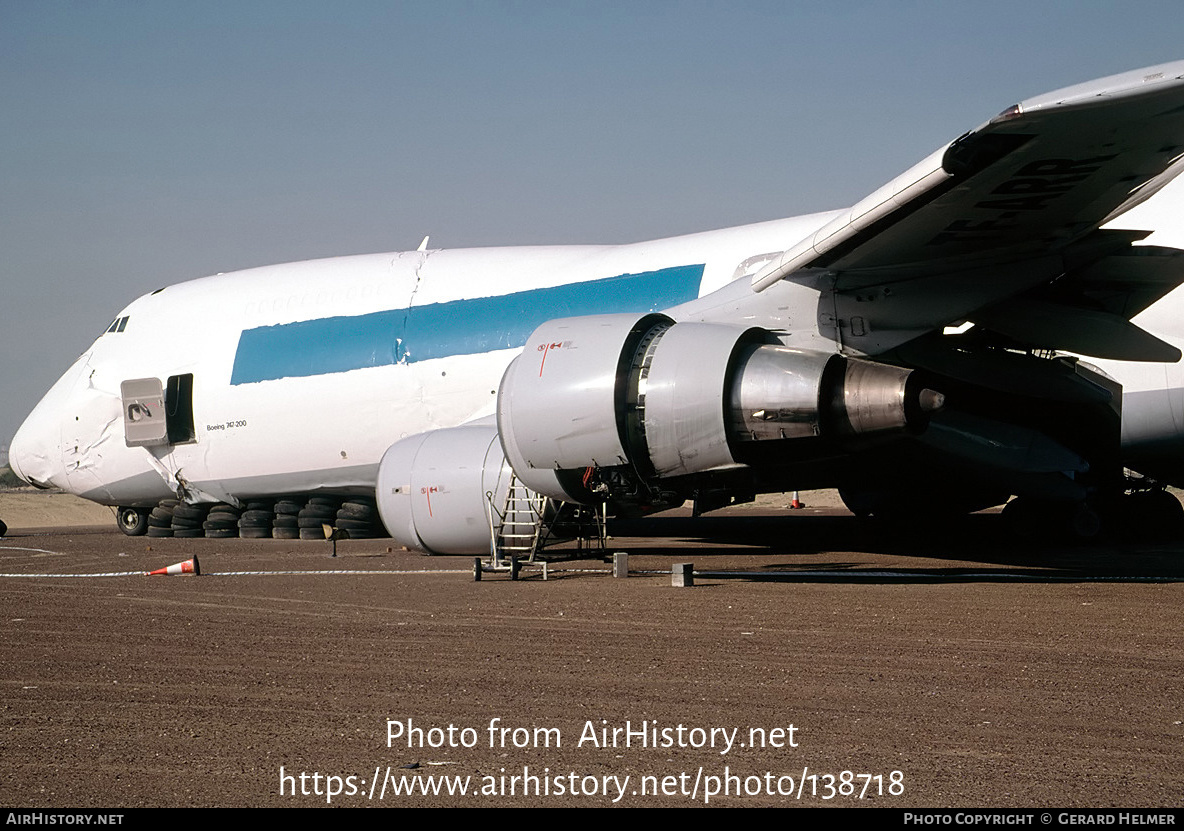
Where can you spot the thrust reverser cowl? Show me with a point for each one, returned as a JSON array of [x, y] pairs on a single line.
[[669, 399]]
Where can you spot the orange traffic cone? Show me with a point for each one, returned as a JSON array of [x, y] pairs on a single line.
[[795, 502], [187, 567]]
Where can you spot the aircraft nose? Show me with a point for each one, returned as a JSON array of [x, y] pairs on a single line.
[[15, 452], [28, 455], [35, 453]]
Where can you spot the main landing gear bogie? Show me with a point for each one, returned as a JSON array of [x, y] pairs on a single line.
[[1143, 515]]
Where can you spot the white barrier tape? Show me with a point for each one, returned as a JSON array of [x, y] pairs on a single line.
[[341, 571], [105, 574], [245, 573]]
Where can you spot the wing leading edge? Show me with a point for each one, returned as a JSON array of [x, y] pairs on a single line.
[[1009, 208]]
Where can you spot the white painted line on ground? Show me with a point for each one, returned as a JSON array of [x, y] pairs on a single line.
[[790, 576]]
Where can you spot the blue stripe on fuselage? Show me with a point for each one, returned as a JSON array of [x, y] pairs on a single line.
[[459, 327]]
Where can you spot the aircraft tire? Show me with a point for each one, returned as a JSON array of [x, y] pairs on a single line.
[[190, 512], [286, 533], [1169, 513], [189, 533], [319, 512], [1023, 517], [1155, 514], [157, 531], [252, 533], [1065, 522], [133, 521], [1083, 523], [3, 529], [354, 510], [221, 533], [856, 502]]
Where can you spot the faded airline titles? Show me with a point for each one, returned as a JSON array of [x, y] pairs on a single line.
[[1032, 188]]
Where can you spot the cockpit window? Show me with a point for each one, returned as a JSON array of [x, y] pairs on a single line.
[[118, 325]]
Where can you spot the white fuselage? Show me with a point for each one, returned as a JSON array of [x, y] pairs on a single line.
[[304, 373], [298, 414]]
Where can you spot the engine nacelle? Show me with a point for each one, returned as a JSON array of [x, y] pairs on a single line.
[[434, 489], [665, 399]]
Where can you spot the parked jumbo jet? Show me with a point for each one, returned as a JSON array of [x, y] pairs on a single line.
[[967, 333]]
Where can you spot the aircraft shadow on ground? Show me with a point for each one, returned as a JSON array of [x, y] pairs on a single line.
[[976, 539]]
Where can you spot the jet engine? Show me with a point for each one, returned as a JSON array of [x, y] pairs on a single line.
[[432, 487], [437, 491], [642, 397], [661, 399]]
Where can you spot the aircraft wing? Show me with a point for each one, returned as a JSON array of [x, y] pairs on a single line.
[[1042, 173], [1014, 205]]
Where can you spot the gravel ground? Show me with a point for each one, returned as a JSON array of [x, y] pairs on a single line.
[[987, 673]]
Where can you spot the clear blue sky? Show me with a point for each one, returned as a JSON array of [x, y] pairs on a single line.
[[145, 143]]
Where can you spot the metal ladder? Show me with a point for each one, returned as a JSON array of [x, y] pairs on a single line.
[[519, 532]]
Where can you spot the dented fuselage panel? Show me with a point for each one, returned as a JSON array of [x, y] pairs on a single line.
[[298, 377]]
